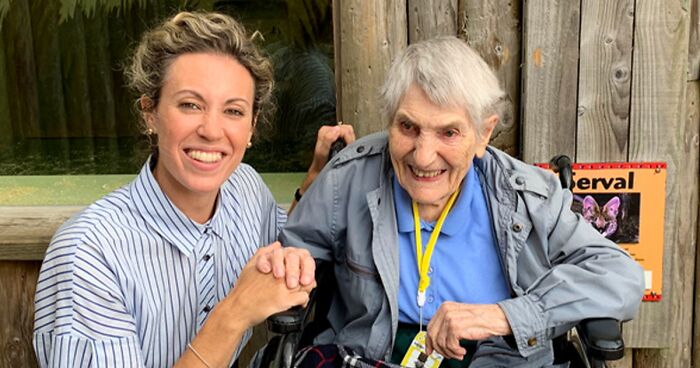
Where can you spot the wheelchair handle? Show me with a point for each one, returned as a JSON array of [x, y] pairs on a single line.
[[561, 164]]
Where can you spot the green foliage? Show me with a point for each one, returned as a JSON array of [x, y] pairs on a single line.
[[4, 9]]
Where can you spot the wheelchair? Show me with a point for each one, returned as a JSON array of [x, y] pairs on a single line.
[[588, 345]]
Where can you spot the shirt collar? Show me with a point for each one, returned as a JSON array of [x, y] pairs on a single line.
[[455, 220], [165, 218]]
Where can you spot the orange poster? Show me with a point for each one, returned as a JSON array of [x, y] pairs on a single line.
[[625, 202]]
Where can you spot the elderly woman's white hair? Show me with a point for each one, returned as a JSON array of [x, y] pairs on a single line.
[[449, 72]]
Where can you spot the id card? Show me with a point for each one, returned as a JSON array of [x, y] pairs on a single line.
[[417, 358]]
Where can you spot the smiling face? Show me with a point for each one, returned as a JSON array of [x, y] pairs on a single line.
[[204, 120], [432, 148]]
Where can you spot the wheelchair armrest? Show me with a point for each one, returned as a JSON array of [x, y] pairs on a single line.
[[291, 320], [602, 338], [296, 318]]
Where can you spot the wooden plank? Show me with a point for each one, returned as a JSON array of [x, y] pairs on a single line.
[[694, 44], [27, 230], [605, 80], [659, 131], [492, 28], [550, 71], [100, 66], [693, 114], [17, 287], [371, 34], [74, 72], [52, 114], [6, 131], [431, 18], [21, 82]]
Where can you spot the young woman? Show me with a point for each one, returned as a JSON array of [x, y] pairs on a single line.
[[155, 274]]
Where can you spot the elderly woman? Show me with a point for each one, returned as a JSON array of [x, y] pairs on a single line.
[[426, 225], [155, 274]]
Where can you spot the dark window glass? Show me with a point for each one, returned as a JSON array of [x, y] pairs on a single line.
[[64, 108]]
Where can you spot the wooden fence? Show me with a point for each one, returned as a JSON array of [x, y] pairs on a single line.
[[598, 80]]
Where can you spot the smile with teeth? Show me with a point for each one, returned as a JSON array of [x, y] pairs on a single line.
[[207, 157], [425, 174]]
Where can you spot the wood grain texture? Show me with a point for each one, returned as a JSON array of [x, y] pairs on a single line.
[[694, 44], [605, 80], [660, 131], [372, 32], [492, 28], [26, 231], [693, 115], [431, 18], [550, 73], [17, 287]]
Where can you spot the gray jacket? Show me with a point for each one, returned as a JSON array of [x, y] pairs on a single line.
[[560, 270]]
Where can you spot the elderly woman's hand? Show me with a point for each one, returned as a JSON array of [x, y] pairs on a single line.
[[327, 134], [456, 321], [293, 264]]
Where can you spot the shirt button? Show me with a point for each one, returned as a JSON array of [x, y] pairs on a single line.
[[431, 299], [517, 227], [207, 308], [531, 341], [206, 257]]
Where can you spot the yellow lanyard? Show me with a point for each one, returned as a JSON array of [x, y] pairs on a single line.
[[423, 259]]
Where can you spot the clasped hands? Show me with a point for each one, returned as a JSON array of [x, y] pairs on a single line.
[[451, 323]]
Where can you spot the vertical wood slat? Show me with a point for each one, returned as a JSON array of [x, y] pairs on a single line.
[[21, 71], [659, 131], [605, 80], [371, 34], [6, 131], [492, 28], [52, 114], [550, 72], [100, 68], [17, 286], [694, 44], [74, 72], [428, 19], [693, 115]]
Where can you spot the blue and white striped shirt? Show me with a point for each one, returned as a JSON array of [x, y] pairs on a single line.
[[129, 281]]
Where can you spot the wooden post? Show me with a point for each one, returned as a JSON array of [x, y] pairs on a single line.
[[370, 34], [550, 73], [694, 44], [492, 28], [17, 287], [659, 131], [605, 80], [431, 18]]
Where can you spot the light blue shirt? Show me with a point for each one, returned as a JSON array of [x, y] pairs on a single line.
[[130, 280], [465, 267]]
